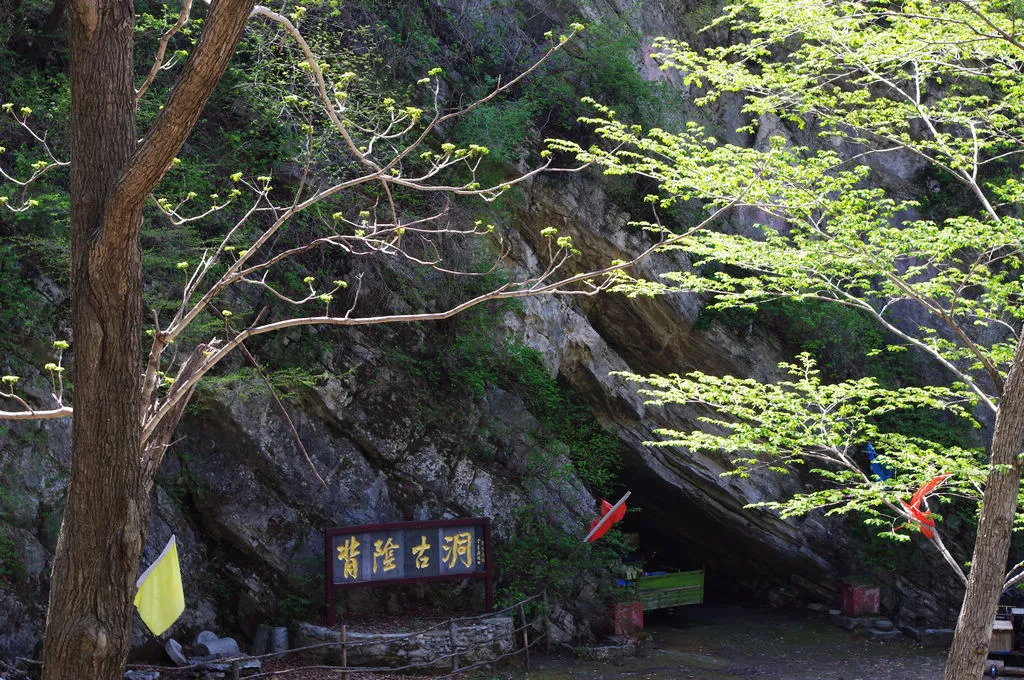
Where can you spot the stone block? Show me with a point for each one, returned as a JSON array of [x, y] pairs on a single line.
[[245, 667], [475, 641], [620, 648], [849, 622], [307, 634], [882, 635], [278, 640], [139, 675], [203, 637], [173, 649], [261, 641], [217, 648]]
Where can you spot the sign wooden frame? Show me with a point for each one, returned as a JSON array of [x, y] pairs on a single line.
[[479, 525]]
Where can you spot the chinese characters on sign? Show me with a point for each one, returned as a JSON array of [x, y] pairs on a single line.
[[348, 555], [407, 551], [458, 548]]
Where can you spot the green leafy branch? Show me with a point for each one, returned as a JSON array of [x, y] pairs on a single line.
[[803, 423]]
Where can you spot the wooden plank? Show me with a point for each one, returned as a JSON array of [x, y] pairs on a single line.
[[671, 590], [679, 579], [658, 600]]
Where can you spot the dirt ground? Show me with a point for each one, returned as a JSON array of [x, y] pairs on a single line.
[[731, 643], [706, 643]]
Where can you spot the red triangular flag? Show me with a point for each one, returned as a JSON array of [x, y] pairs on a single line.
[[927, 488], [913, 508], [606, 520]]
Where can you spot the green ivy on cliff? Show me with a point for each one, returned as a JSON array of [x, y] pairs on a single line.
[[542, 557]]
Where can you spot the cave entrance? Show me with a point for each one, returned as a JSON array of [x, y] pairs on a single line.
[[744, 563], [658, 549]]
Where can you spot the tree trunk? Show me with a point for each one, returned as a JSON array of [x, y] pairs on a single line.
[[88, 624], [991, 548]]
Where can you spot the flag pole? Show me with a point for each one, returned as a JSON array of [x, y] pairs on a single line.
[[607, 516], [597, 526]]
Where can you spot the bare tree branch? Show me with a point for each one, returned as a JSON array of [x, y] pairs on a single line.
[[158, 60], [49, 414], [203, 70]]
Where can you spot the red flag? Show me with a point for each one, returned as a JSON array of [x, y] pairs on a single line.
[[927, 488], [913, 508], [610, 514]]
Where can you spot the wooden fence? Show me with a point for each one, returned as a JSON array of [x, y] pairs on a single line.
[[522, 642]]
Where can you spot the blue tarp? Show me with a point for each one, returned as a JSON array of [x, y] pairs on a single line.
[[878, 469]]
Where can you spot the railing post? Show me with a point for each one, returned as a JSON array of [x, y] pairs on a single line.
[[328, 579], [526, 636], [234, 670], [344, 651], [547, 623], [455, 650]]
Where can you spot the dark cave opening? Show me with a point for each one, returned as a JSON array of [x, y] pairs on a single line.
[[659, 550], [744, 564], [662, 549]]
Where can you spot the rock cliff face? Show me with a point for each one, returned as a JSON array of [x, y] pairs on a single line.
[[390, 445], [689, 511], [247, 507]]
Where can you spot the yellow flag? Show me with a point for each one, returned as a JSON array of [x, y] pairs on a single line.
[[160, 598]]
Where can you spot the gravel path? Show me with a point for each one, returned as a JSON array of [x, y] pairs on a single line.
[[731, 643]]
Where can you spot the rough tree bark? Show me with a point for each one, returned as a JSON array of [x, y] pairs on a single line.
[[88, 623], [992, 546]]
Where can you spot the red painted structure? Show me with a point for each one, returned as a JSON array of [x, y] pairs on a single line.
[[859, 600], [628, 617]]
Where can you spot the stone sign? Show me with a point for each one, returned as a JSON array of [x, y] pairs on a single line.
[[407, 552]]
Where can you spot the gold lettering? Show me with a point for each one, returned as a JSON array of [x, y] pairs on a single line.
[[457, 547], [347, 553], [420, 552], [386, 551]]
